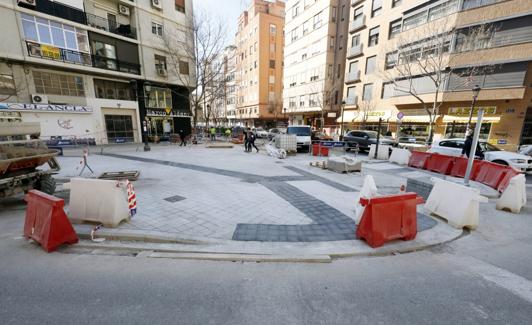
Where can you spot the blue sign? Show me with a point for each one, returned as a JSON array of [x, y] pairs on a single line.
[[502, 141]]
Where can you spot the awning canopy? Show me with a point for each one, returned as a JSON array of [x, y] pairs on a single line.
[[465, 119], [357, 116], [415, 119]]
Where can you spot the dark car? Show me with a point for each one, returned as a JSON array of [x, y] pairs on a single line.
[[364, 139]]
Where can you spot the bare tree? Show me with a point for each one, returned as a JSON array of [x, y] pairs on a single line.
[[325, 96], [201, 46], [365, 110], [425, 61]]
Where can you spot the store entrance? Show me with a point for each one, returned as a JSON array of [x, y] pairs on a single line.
[[526, 134], [160, 128]]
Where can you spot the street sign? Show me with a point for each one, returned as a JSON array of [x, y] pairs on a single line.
[[168, 110], [400, 115]]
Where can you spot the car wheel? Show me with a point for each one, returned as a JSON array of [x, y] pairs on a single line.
[[500, 162]]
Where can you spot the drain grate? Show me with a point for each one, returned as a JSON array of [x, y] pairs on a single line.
[[175, 198]]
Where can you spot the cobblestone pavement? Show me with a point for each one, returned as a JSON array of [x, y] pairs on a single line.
[[233, 195]]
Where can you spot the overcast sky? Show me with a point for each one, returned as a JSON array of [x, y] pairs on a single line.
[[229, 10]]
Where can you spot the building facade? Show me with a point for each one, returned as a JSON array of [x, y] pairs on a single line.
[[315, 53], [259, 64], [96, 69], [406, 56]]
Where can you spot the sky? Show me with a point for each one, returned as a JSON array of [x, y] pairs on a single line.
[[228, 10]]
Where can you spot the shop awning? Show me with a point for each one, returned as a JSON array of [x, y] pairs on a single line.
[[415, 119], [357, 116], [349, 116], [464, 119]]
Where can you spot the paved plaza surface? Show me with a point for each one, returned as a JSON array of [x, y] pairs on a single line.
[[200, 192]]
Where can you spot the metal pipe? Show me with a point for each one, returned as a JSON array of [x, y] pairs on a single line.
[[473, 149]]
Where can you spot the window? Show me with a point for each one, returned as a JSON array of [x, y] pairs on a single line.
[[306, 26], [58, 84], [390, 60], [104, 55], [351, 92], [331, 43], [160, 97], [292, 102], [180, 5], [355, 40], [373, 36], [333, 14], [387, 90], [302, 101], [317, 20], [341, 42], [313, 100], [157, 29], [7, 85], [160, 62], [294, 34], [272, 64], [367, 92], [119, 128], [353, 67], [376, 8], [183, 68], [109, 89], [295, 10], [371, 63], [358, 13], [396, 3], [395, 28]]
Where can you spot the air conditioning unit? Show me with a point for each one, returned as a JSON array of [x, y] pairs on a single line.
[[124, 10], [157, 4], [26, 3], [161, 72], [39, 99]]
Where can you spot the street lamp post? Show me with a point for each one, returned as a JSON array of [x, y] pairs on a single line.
[[342, 121], [476, 91]]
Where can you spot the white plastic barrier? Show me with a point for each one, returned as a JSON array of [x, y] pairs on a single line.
[[382, 154], [344, 164], [457, 203], [400, 156], [98, 200], [514, 196], [369, 190]]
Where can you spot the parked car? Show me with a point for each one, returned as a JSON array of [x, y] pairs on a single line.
[[303, 133], [320, 136], [260, 132], [453, 147], [273, 132], [364, 139]]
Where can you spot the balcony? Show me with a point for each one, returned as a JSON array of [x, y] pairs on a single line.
[[80, 58], [79, 16], [357, 24], [351, 77], [111, 26], [351, 101], [354, 51], [355, 2]]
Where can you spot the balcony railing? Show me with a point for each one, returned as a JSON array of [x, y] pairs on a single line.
[[353, 76], [111, 26], [75, 57], [350, 101], [357, 24], [79, 16], [354, 51], [58, 54]]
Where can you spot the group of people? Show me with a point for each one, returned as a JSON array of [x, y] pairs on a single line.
[[249, 140]]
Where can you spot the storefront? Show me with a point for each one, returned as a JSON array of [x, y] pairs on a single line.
[[162, 123], [455, 121], [358, 120]]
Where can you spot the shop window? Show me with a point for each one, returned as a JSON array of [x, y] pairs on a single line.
[[119, 128], [58, 84], [108, 89]]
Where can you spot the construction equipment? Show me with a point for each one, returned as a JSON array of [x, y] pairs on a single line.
[[21, 153]]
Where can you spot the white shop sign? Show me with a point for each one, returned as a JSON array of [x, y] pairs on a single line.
[[21, 107]]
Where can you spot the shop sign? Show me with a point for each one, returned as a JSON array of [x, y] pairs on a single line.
[[20, 107], [400, 115], [377, 114], [464, 111], [10, 115], [51, 52], [502, 141], [331, 114], [163, 113]]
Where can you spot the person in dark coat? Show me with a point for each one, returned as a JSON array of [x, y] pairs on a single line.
[[251, 141], [183, 137], [246, 141], [467, 147]]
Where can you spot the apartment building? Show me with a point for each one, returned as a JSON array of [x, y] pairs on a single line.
[[259, 64], [472, 42], [221, 94], [96, 69], [315, 53], [230, 85]]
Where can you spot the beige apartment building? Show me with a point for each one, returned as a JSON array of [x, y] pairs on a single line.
[[315, 49], [259, 64], [474, 42]]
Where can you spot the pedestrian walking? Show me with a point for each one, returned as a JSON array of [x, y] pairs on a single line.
[[183, 137], [468, 144], [246, 141], [213, 133], [228, 134], [251, 141]]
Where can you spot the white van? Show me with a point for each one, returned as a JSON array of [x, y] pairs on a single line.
[[302, 133]]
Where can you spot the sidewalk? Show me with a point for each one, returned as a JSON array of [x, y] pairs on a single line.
[[226, 199]]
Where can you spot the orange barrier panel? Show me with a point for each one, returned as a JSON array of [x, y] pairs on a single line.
[[442, 164], [389, 217], [46, 221], [491, 174], [419, 159], [505, 181], [460, 166]]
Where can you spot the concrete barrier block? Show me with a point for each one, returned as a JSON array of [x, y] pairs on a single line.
[[368, 191], [344, 164], [513, 198], [400, 156], [97, 200], [382, 154], [456, 203]]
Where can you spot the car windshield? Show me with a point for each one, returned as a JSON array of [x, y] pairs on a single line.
[[299, 131], [371, 134], [488, 147]]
